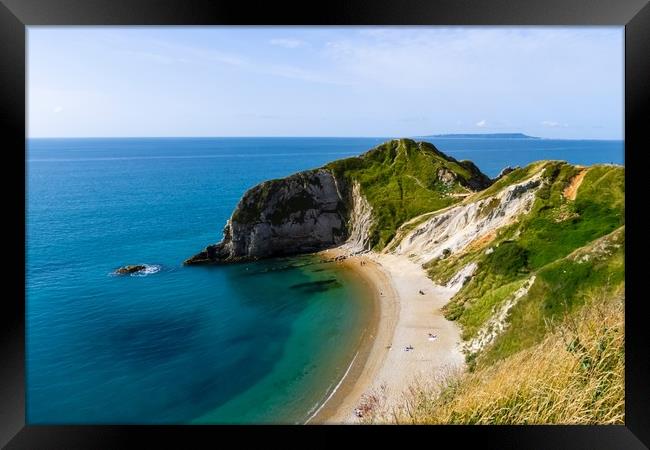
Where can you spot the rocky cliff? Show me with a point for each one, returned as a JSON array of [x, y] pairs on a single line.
[[302, 213], [359, 201], [454, 229]]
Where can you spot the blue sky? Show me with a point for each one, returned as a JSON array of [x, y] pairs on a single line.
[[324, 81]]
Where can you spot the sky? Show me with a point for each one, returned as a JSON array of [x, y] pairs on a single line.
[[553, 82]]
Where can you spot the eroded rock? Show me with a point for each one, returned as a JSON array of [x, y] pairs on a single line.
[[125, 270]]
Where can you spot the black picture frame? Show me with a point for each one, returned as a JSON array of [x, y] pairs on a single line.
[[16, 15]]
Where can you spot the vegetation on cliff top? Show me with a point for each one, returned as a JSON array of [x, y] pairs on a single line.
[[402, 179]]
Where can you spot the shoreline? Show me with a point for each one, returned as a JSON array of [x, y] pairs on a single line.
[[401, 317], [372, 349]]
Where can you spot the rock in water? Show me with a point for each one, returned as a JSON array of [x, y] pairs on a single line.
[[124, 270]]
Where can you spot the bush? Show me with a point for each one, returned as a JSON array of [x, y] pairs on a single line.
[[508, 258]]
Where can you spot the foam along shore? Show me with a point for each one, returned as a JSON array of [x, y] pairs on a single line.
[[409, 341]]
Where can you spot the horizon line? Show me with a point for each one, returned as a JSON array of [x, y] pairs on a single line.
[[321, 137]]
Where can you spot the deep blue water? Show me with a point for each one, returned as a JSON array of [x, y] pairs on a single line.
[[492, 155], [260, 342]]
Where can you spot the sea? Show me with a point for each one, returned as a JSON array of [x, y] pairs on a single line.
[[262, 342]]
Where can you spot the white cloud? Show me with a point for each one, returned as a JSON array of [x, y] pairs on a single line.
[[150, 56], [287, 43], [210, 56], [396, 75], [554, 124], [468, 59], [168, 52], [297, 73]]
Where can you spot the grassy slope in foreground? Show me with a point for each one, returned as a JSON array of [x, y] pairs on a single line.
[[402, 179]]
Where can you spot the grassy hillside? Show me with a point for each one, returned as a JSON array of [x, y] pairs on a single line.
[[560, 356], [402, 179], [540, 244]]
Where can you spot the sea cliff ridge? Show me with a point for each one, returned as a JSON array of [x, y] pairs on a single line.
[[363, 199]]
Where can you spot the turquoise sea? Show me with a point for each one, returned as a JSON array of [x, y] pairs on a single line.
[[263, 342]]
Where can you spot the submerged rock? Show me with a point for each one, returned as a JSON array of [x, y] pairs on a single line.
[[124, 270]]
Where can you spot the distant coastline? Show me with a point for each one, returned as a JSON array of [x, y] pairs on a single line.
[[483, 136]]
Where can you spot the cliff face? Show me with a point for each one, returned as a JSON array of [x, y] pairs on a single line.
[[302, 213], [358, 201], [359, 221], [456, 228]]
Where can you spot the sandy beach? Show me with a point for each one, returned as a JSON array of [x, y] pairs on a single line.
[[407, 314]]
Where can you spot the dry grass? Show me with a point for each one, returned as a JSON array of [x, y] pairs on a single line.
[[574, 376]]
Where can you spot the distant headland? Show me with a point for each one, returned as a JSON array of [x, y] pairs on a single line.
[[483, 136]]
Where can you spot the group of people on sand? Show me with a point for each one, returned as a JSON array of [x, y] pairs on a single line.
[[432, 337]]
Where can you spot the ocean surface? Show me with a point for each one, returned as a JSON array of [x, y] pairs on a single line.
[[263, 342]]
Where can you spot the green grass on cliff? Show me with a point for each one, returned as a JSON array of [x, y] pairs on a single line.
[[540, 243], [516, 176], [561, 287], [400, 181]]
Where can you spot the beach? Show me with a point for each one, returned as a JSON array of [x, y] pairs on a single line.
[[409, 340]]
